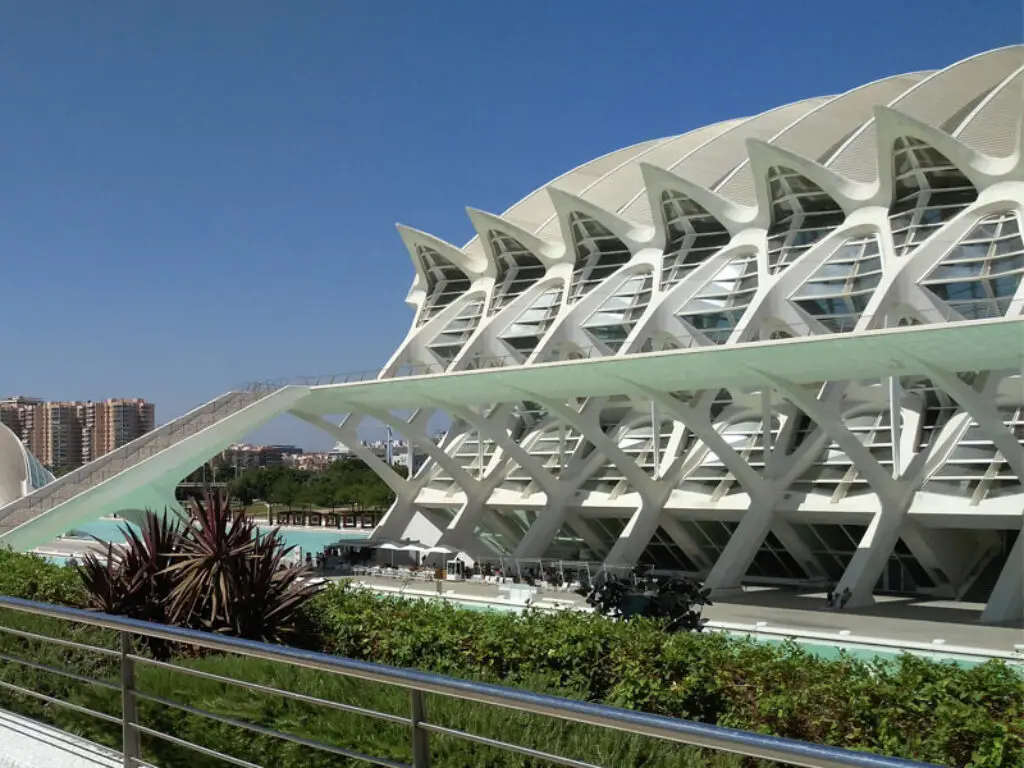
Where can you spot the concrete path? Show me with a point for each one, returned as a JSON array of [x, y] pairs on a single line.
[[25, 743]]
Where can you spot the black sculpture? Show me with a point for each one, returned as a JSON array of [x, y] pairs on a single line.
[[678, 600]]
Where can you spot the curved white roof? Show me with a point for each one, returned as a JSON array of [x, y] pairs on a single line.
[[659, 209], [20, 471]]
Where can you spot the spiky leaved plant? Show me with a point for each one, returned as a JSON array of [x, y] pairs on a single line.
[[108, 588], [134, 581], [230, 578], [215, 542], [217, 573], [267, 593]]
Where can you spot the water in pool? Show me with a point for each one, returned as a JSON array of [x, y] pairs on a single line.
[[308, 540]]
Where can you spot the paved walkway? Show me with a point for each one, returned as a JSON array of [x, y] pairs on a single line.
[[25, 743]]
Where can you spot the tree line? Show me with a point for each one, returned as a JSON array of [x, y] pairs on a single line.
[[345, 483]]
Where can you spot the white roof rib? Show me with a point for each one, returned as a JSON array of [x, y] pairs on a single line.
[[935, 101], [816, 134], [995, 124], [710, 161], [535, 210], [617, 190]]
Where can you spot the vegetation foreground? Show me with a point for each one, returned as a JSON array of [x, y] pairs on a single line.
[[935, 712]]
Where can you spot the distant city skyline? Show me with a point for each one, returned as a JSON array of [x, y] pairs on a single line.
[[65, 434]]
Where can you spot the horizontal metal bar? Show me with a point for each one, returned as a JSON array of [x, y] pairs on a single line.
[[61, 703], [245, 725], [58, 641], [194, 747], [506, 746], [398, 719], [62, 672], [704, 735]]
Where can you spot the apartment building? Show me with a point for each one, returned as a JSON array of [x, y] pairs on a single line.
[[112, 423], [18, 415], [64, 435]]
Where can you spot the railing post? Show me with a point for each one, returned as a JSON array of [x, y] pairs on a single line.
[[420, 738], [129, 708]]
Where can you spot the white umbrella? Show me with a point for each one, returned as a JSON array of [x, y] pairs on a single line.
[[415, 548]]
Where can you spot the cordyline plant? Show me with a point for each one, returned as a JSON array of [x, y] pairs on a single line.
[[217, 573]]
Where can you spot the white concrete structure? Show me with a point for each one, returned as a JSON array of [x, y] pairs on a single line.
[[898, 203], [20, 471], [803, 341]]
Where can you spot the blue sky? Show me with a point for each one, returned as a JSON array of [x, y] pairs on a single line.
[[197, 194]]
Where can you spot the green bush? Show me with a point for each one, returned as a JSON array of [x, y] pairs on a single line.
[[911, 707], [32, 578]]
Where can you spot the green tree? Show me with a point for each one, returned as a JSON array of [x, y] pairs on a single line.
[[285, 491]]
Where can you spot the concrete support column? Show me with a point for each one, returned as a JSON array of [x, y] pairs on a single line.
[[347, 434], [732, 565], [636, 535], [979, 404], [496, 433], [396, 520], [442, 458], [873, 553], [1006, 603], [797, 547], [544, 529], [460, 531], [685, 542]]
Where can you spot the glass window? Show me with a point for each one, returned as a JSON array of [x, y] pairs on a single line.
[[981, 274], [445, 282], [598, 254], [802, 214], [850, 274], [518, 269], [694, 235], [928, 191]]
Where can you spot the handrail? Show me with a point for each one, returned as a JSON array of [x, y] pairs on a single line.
[[789, 751], [129, 454]]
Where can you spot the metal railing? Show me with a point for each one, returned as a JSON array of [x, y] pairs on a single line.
[[829, 327], [418, 684]]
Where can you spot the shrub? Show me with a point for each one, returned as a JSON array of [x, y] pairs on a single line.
[[911, 707], [32, 578], [218, 574]]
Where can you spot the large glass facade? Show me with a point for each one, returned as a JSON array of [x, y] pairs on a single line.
[[615, 319], [38, 475], [517, 269], [450, 341], [525, 332]]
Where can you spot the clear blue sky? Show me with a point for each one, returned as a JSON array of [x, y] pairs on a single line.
[[195, 194]]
